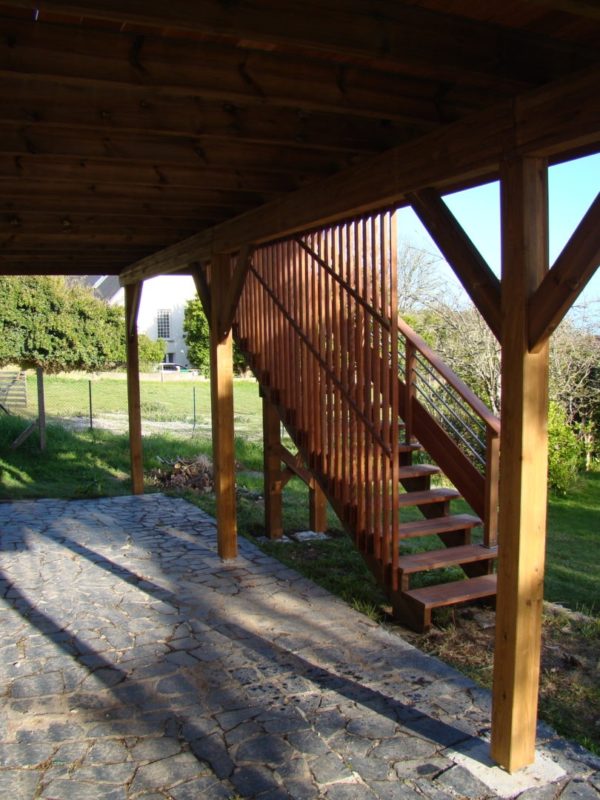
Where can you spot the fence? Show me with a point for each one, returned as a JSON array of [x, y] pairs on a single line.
[[178, 405]]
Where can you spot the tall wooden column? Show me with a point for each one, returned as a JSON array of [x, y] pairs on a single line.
[[273, 484], [133, 293], [523, 467], [221, 385]]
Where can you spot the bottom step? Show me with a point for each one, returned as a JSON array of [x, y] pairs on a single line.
[[448, 594]]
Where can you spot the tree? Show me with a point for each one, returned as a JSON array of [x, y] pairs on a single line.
[[60, 327], [197, 338]]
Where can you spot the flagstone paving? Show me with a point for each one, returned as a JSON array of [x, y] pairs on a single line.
[[136, 664]]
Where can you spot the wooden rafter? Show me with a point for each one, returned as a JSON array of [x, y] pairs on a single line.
[[450, 157], [572, 270], [397, 36], [459, 251]]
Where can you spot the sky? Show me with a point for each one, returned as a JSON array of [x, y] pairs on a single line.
[[572, 187]]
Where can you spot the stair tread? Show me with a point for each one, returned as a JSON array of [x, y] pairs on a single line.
[[447, 594], [417, 471], [427, 496], [427, 527], [447, 556], [405, 447]]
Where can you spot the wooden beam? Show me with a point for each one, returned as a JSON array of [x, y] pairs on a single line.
[[566, 280], [395, 36], [221, 383], [317, 508], [449, 158], [273, 484], [470, 267], [581, 8], [523, 467], [133, 294]]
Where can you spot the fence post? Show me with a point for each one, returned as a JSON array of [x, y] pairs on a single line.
[[194, 406], [41, 407], [91, 410]]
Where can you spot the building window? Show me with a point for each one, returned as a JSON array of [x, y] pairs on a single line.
[[163, 324]]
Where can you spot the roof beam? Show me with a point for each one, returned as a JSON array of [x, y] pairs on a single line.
[[470, 267], [566, 280], [451, 157], [388, 35]]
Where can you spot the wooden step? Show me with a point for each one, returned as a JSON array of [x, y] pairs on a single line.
[[446, 557], [449, 594], [429, 527], [426, 497], [417, 471], [403, 447]]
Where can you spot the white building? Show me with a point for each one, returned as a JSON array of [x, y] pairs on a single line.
[[161, 308]]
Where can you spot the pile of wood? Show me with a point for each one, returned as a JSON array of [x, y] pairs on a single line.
[[185, 473]]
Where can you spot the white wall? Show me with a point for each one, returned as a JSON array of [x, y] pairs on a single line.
[[167, 292]]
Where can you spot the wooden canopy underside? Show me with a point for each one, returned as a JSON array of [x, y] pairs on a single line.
[[127, 127]]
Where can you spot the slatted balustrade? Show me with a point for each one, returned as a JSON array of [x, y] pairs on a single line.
[[318, 322]]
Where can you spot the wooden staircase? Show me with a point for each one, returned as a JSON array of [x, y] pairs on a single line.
[[348, 410]]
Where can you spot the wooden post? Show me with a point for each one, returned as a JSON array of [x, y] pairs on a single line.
[[221, 393], [523, 467], [317, 509], [273, 486], [132, 303], [41, 407]]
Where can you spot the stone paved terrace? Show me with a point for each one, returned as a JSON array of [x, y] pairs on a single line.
[[136, 664]]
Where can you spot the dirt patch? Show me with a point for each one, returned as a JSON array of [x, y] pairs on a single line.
[[569, 698]]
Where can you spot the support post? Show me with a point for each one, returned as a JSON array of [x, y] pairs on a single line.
[[273, 485], [221, 393], [523, 467], [132, 303], [317, 508]]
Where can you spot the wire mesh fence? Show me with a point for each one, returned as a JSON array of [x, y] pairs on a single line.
[[176, 404]]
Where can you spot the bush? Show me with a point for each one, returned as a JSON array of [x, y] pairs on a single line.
[[566, 454]]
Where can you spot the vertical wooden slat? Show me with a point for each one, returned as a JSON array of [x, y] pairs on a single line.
[[523, 467], [221, 382], [492, 464], [132, 304], [394, 398]]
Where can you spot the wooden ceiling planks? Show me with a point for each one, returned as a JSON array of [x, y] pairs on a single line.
[[163, 118]]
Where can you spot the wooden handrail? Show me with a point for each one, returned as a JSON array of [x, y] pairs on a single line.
[[477, 405]]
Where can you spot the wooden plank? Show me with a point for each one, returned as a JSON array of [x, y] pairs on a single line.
[[272, 471], [317, 509], [25, 101], [474, 273], [223, 72], [569, 275], [429, 527], [399, 38], [523, 467], [436, 559], [451, 157], [448, 594], [221, 384], [132, 304], [42, 168]]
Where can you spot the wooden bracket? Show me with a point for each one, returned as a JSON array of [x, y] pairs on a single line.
[[132, 307], [236, 285], [459, 251], [203, 289], [566, 280]]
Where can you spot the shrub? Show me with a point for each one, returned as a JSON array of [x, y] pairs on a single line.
[[566, 454]]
